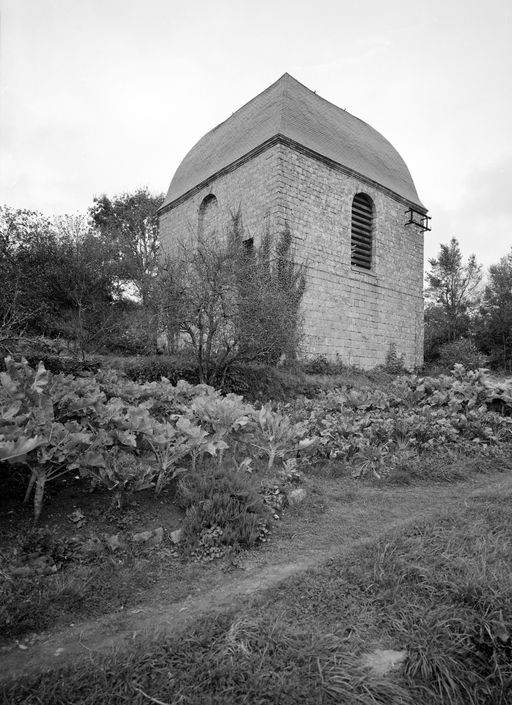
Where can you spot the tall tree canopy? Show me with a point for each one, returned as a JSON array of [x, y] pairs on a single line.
[[83, 280], [28, 246], [130, 221], [452, 296], [495, 329], [58, 278]]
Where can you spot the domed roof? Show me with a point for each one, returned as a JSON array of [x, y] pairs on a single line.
[[289, 109]]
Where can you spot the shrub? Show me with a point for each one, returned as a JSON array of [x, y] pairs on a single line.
[[52, 354], [154, 367], [258, 382], [253, 381], [225, 300], [320, 365], [463, 352], [223, 510], [395, 364], [67, 365]]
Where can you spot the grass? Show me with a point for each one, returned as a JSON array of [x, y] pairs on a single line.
[[36, 603], [441, 591], [440, 466]]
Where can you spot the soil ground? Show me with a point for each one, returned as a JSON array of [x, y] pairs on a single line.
[[339, 516]]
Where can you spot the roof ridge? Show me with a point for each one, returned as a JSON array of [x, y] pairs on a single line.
[[283, 81]]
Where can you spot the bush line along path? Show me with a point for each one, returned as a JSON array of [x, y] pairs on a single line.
[[356, 515]]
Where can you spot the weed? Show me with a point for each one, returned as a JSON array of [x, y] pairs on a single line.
[[394, 364], [223, 510]]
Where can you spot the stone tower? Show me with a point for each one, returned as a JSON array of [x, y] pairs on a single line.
[[288, 155]]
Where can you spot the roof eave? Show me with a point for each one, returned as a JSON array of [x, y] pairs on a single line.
[[282, 139]]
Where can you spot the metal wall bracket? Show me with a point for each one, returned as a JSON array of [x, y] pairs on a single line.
[[420, 220]]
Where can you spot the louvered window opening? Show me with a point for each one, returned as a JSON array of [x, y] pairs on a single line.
[[362, 222]]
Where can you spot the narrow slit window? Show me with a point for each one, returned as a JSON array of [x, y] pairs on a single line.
[[362, 231]]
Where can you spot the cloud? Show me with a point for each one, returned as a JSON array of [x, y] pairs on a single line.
[[355, 51], [481, 219], [489, 189]]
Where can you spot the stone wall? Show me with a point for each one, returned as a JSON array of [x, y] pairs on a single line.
[[349, 311], [253, 187], [353, 313]]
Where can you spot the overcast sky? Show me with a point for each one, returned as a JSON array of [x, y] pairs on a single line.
[[105, 96]]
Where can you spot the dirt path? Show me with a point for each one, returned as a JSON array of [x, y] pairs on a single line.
[[354, 517]]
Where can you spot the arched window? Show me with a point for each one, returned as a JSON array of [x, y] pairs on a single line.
[[361, 243], [208, 215]]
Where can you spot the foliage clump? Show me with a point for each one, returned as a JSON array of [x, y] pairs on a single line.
[[129, 436], [461, 352], [124, 435], [373, 429], [151, 368], [320, 365], [224, 510], [462, 306], [452, 297], [225, 299], [69, 277], [395, 363], [494, 325]]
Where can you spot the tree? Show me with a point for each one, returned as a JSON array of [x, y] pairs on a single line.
[[130, 221], [28, 243], [199, 304], [452, 296], [82, 280], [495, 329], [226, 300], [58, 279]]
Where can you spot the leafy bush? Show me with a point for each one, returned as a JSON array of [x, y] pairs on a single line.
[[257, 382], [153, 368], [320, 365], [40, 423], [34, 346], [223, 510], [65, 365], [49, 356], [395, 364], [229, 301], [278, 436], [253, 381], [368, 427], [122, 473], [127, 436], [463, 352]]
